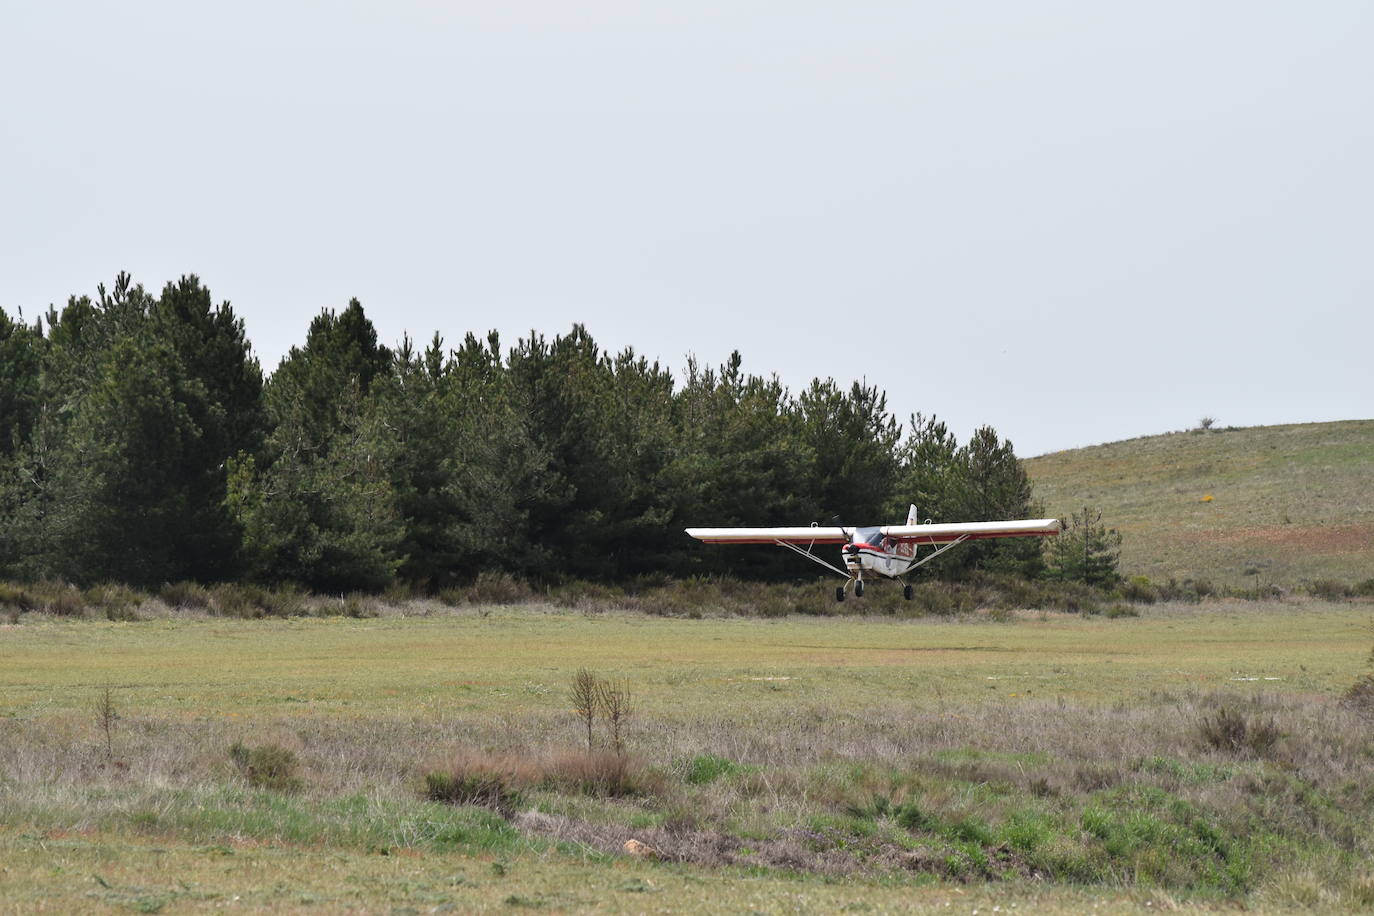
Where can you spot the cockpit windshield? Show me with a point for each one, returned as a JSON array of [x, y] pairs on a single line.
[[873, 537]]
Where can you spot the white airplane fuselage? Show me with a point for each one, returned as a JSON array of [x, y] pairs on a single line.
[[871, 552]]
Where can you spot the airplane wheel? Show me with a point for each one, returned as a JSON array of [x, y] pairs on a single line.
[[839, 593], [907, 592], [859, 589]]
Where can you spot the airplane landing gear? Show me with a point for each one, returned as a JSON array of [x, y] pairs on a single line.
[[907, 592], [858, 588], [839, 593]]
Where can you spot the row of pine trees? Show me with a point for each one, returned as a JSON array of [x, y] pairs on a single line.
[[141, 443]]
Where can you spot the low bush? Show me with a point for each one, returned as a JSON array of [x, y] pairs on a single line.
[[1364, 589], [229, 600], [498, 588], [117, 602], [252, 601], [1202, 588], [943, 598], [358, 606], [484, 788], [1137, 589], [911, 817], [190, 596], [589, 597], [498, 781], [268, 766], [60, 599], [1329, 590], [1232, 731], [15, 599]]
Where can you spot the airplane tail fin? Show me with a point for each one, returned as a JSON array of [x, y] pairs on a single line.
[[909, 548]]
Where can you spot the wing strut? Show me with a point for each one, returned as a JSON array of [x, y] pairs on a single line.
[[811, 556], [939, 550]]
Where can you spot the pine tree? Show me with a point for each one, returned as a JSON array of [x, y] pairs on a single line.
[[741, 459], [930, 474], [21, 410], [500, 476], [1086, 551], [125, 508], [854, 441], [321, 509]]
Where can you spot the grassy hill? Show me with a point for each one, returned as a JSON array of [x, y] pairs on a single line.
[[1287, 503]]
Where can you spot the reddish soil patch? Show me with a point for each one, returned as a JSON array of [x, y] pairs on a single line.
[[1327, 539]]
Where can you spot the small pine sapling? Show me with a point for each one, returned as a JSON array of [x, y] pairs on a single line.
[[105, 717], [585, 695], [617, 705]]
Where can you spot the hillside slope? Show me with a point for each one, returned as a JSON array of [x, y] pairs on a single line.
[[1288, 503]]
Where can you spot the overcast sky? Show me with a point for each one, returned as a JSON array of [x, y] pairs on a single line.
[[1076, 222]]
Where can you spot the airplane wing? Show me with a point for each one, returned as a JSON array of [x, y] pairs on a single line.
[[973, 531], [800, 535]]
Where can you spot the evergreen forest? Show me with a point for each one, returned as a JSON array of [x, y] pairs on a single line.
[[141, 443]]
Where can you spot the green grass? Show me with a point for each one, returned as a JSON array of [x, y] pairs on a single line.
[[1289, 503], [1054, 761], [520, 660]]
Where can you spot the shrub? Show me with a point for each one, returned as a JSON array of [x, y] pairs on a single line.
[[497, 588], [669, 601], [251, 601], [486, 790], [1230, 730], [117, 601], [358, 605], [591, 596], [773, 606], [62, 600], [268, 766], [943, 598], [911, 817], [1328, 590], [16, 600], [494, 781], [1139, 590], [1364, 589], [229, 600], [284, 601], [185, 595]]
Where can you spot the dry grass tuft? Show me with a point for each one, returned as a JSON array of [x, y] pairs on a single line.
[[602, 773]]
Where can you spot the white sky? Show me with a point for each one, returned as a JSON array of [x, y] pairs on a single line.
[[1077, 222]]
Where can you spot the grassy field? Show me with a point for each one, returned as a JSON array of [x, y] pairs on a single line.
[[803, 764], [1287, 503]]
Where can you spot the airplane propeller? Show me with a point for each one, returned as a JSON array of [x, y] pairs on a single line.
[[850, 548]]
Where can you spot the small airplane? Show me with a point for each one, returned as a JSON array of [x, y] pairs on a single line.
[[889, 550]]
